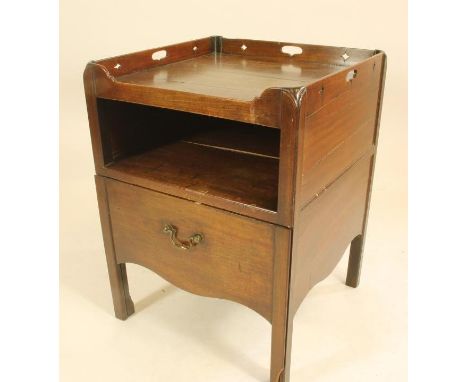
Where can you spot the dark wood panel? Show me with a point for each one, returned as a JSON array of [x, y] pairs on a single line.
[[129, 128], [310, 53], [256, 140], [132, 62], [326, 227], [282, 321], [336, 136], [233, 261], [338, 120], [123, 304], [357, 246], [323, 173], [261, 67], [263, 110], [329, 87], [203, 173], [229, 76], [221, 79]]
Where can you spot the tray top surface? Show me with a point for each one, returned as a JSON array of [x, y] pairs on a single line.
[[229, 75]]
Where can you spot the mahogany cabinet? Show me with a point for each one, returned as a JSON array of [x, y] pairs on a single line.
[[236, 169]]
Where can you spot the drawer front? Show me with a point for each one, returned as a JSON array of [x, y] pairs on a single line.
[[229, 256]]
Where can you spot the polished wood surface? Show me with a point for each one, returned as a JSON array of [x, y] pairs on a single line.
[[339, 133], [273, 51], [233, 261], [189, 170], [326, 226], [131, 128], [281, 333], [265, 149], [260, 141], [239, 77], [220, 77], [123, 304], [357, 245], [226, 164]]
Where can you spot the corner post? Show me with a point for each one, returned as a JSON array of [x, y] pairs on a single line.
[[123, 304], [292, 122], [357, 245], [282, 319]]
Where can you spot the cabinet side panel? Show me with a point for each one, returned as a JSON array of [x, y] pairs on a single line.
[[341, 131], [325, 228]]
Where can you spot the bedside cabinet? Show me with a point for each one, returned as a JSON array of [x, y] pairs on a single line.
[[236, 169]]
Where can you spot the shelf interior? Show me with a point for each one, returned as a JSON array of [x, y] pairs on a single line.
[[191, 153]]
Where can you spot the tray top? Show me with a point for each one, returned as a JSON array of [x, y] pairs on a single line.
[[236, 79], [229, 75]]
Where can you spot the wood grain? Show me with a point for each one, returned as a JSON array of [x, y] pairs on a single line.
[[357, 246], [203, 174], [282, 320], [227, 81], [329, 87], [269, 50], [326, 227], [237, 77], [234, 261], [123, 304], [138, 61], [131, 128], [336, 136]]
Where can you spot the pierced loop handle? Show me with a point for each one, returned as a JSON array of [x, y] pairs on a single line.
[[182, 244]]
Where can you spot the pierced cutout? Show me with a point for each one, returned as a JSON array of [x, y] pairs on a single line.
[[291, 50], [159, 55], [117, 66], [345, 56], [243, 47], [195, 48], [351, 74]]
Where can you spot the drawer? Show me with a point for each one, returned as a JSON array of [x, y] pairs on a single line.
[[228, 256]]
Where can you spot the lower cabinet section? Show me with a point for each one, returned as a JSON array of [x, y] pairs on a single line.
[[326, 226], [198, 248]]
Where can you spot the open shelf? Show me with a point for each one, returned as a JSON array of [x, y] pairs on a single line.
[[189, 154], [240, 177], [221, 122]]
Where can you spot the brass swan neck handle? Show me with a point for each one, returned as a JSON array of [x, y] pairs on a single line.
[[182, 244]]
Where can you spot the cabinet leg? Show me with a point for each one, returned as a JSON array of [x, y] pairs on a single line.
[[281, 352], [123, 304], [282, 318], [355, 262]]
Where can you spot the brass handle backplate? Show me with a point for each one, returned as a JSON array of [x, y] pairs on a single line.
[[182, 244]]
